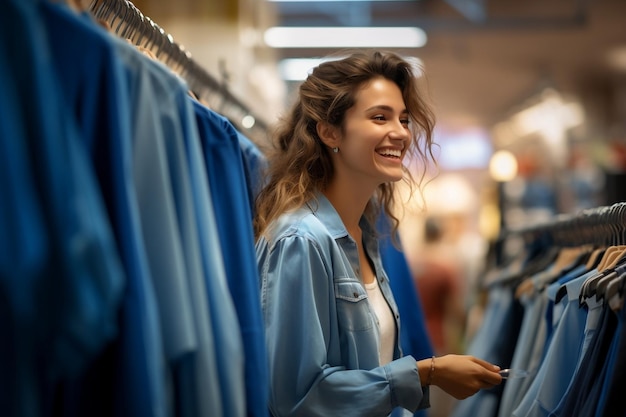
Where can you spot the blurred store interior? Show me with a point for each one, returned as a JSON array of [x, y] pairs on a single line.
[[530, 96]]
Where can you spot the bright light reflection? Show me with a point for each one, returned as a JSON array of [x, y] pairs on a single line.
[[345, 37], [503, 166], [248, 121], [328, 1]]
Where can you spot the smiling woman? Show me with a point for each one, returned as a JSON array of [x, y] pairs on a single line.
[[330, 318]]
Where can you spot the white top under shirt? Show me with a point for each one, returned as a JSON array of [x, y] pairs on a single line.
[[385, 321]]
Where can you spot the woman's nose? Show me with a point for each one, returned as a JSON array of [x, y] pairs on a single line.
[[399, 131]]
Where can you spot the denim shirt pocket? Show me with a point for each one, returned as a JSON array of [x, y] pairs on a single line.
[[353, 309]]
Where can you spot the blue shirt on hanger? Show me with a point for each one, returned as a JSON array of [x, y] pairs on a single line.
[[224, 167], [81, 275], [95, 88], [255, 165], [562, 353]]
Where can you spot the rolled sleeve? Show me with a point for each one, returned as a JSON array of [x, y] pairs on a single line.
[[406, 387]]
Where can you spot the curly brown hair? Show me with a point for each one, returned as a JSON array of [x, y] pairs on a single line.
[[300, 164]]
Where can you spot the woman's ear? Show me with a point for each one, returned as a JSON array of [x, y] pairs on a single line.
[[328, 134]]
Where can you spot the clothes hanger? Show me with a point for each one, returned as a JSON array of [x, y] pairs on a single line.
[[577, 231], [567, 259], [130, 21], [98, 8], [123, 17], [618, 266], [614, 294], [613, 255], [112, 13], [137, 31], [535, 273], [157, 35]]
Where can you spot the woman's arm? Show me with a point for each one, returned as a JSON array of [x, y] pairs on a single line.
[[459, 375]]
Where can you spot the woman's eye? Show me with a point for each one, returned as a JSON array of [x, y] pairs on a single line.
[[405, 122], [379, 117]]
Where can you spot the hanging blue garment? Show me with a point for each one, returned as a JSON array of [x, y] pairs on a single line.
[[229, 350], [128, 381], [88, 277], [255, 166], [24, 246], [595, 328], [159, 224], [534, 337], [78, 285], [562, 353], [163, 197], [224, 166], [528, 350], [494, 342], [198, 385], [603, 370], [611, 401], [586, 376]]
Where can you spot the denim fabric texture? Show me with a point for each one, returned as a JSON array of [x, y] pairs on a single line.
[[320, 329]]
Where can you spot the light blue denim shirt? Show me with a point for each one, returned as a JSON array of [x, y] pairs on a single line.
[[321, 332]]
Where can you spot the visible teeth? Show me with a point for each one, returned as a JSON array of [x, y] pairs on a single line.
[[391, 152]]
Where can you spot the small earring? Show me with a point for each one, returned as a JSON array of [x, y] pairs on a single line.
[[335, 150]]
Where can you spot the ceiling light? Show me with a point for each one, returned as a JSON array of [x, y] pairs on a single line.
[[503, 166], [328, 1], [345, 37]]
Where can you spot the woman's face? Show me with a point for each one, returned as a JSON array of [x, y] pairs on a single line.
[[375, 135]]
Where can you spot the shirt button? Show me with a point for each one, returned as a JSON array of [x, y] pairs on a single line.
[[355, 294]]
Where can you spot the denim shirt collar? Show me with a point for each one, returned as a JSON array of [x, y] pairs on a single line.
[[323, 209]]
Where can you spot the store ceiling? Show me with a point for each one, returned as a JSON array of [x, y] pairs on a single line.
[[484, 58]]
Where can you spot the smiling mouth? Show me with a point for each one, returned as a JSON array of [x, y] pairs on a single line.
[[391, 153]]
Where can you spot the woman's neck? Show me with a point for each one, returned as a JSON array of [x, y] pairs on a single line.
[[350, 204]]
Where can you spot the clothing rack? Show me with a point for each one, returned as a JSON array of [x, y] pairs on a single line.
[[597, 227], [128, 22], [600, 226], [558, 314]]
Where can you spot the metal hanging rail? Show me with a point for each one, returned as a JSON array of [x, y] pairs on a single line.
[[128, 22]]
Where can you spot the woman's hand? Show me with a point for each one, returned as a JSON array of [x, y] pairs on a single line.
[[460, 375]]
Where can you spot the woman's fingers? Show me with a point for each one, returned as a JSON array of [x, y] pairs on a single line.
[[486, 365], [491, 376]]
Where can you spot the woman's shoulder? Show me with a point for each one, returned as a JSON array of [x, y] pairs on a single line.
[[315, 222], [301, 222]]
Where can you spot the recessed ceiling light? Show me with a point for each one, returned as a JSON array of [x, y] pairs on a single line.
[[329, 1], [345, 37]]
